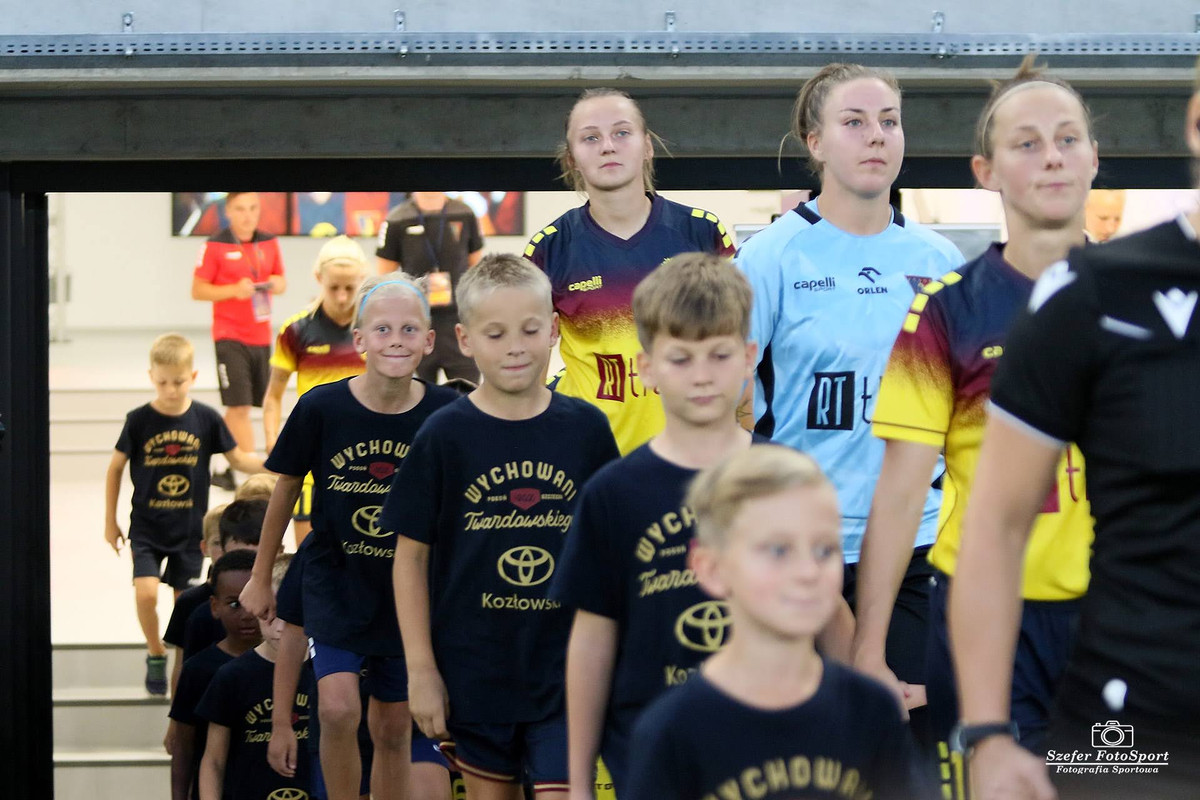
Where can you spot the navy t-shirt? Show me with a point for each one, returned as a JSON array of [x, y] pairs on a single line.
[[202, 630], [239, 698], [289, 599], [626, 559], [353, 454], [168, 463], [846, 741], [195, 676], [187, 602], [494, 498]]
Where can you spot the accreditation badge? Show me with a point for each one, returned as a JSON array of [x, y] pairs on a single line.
[[261, 302], [441, 293]]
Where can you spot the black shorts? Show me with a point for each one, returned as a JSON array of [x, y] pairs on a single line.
[[183, 563], [446, 355], [242, 372], [905, 649]]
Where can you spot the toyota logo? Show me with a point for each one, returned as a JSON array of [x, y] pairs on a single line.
[[174, 486], [704, 626], [366, 522], [526, 566]]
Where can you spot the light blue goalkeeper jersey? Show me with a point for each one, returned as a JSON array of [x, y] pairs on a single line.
[[827, 308]]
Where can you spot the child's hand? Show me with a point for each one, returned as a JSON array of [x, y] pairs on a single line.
[[114, 536], [258, 599], [428, 703], [281, 751]]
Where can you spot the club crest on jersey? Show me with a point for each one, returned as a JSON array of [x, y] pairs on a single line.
[[381, 470], [918, 282]]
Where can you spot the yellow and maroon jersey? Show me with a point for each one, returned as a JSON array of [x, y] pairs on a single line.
[[934, 392], [317, 349], [593, 274]]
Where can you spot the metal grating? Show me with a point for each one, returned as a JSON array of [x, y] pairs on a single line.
[[585, 44]]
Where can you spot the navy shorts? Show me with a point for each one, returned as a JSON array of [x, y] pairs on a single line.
[[507, 753], [387, 678], [1043, 644], [183, 563]]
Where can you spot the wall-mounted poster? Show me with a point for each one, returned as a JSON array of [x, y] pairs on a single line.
[[330, 213]]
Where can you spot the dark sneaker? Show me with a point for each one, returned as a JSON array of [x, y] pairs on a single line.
[[156, 675], [224, 480]]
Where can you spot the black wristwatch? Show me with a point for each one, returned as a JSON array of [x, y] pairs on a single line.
[[965, 737]]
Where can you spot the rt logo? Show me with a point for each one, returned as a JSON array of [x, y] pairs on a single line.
[[366, 522], [526, 566], [174, 486], [704, 626]]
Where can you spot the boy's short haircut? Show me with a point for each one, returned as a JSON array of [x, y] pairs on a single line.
[[258, 486], [171, 350], [500, 271], [279, 569], [233, 561], [692, 296], [242, 521], [718, 493], [212, 525], [398, 282]]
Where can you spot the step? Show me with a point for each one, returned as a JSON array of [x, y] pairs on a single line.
[[112, 775], [106, 402], [80, 668], [91, 719]]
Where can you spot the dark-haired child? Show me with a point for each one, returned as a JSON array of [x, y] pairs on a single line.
[[238, 706], [189, 731]]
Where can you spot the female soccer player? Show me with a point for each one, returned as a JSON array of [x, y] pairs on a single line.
[[1107, 356], [352, 435], [595, 256], [1035, 148], [832, 282], [318, 345]]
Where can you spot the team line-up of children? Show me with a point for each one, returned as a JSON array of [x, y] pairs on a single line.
[[610, 565]]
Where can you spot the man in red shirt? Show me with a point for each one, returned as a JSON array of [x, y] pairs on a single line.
[[240, 268]]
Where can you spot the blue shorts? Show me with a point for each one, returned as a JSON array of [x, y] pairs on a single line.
[[507, 753], [387, 679]]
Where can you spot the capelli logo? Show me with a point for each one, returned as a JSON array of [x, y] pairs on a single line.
[[822, 285]]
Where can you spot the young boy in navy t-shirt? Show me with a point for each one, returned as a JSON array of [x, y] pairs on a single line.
[[167, 443], [352, 435], [489, 487], [624, 566], [766, 716], [238, 706], [189, 731]]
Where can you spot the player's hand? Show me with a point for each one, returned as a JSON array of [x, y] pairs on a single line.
[[914, 695], [428, 703], [878, 669], [1001, 769], [243, 289], [281, 750], [258, 599], [114, 536]]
